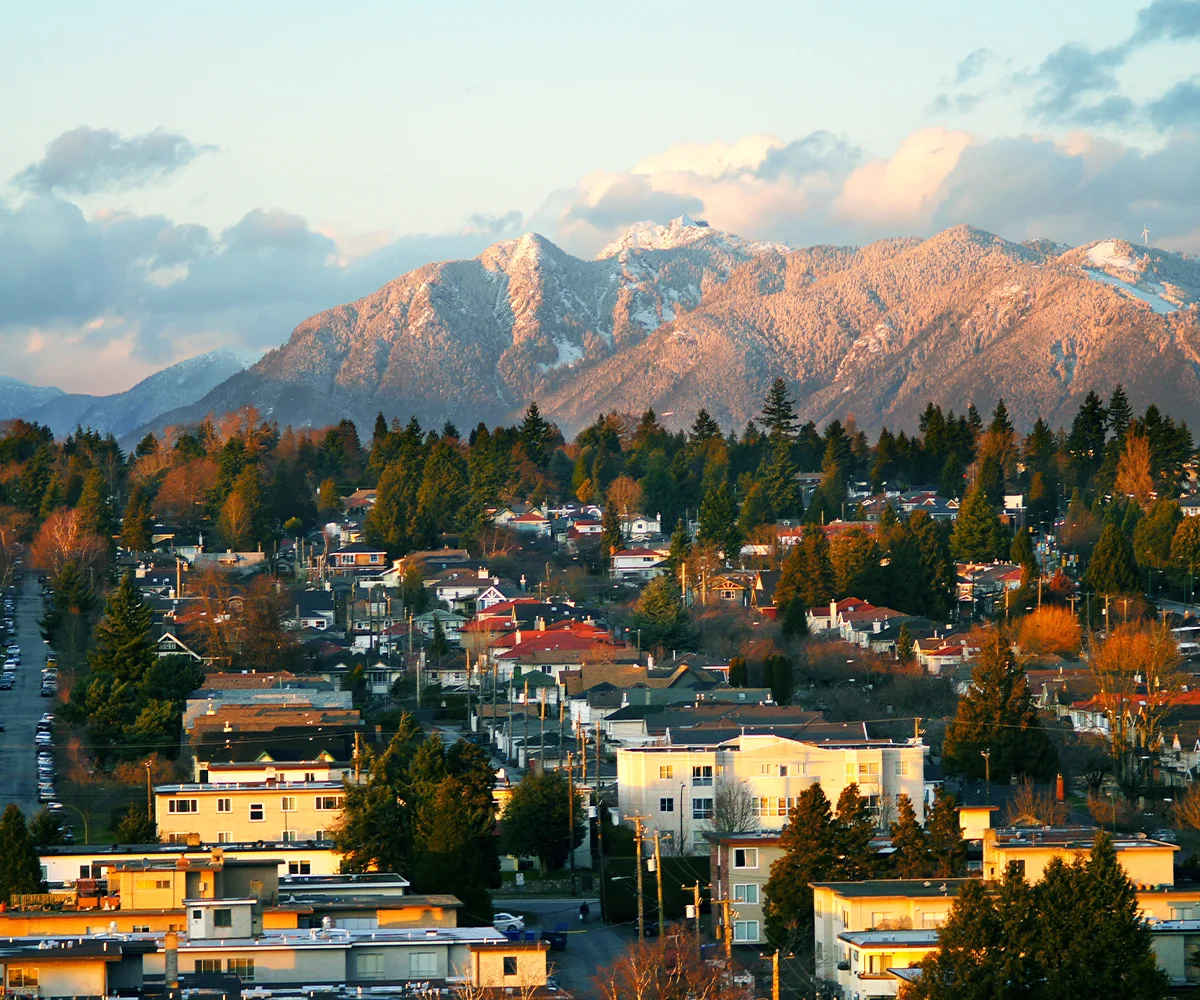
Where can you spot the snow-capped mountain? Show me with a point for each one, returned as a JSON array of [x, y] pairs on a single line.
[[683, 316], [177, 385], [474, 340], [16, 396]]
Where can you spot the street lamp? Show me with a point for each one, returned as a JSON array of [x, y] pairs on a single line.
[[86, 836]]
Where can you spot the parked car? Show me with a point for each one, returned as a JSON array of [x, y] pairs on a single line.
[[1, 725], [508, 922], [7, 679]]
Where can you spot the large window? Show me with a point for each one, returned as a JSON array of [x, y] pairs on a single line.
[[746, 893], [208, 965], [243, 968], [299, 868], [256, 812], [422, 963], [181, 805], [23, 976], [666, 771], [666, 805], [702, 808], [745, 930], [370, 964], [745, 857], [223, 918], [330, 801], [702, 776]]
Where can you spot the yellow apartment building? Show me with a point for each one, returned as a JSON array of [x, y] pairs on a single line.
[[1146, 862], [247, 812]]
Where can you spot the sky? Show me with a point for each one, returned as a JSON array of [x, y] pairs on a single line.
[[176, 178]]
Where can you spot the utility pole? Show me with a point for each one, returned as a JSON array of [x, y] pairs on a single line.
[[469, 726], [581, 742], [775, 974], [725, 912], [696, 913], [662, 924], [987, 775], [637, 839], [525, 715], [357, 760], [917, 729], [562, 727], [571, 818], [599, 804], [149, 796]]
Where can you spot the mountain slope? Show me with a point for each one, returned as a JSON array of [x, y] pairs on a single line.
[[682, 316], [122, 412], [16, 396], [476, 339]]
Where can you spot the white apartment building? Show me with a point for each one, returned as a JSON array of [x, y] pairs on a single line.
[[674, 786]]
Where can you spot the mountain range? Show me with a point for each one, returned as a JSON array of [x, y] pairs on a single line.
[[123, 412], [684, 316]]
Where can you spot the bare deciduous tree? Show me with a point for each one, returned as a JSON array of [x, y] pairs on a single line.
[[735, 807], [1030, 806], [62, 539]]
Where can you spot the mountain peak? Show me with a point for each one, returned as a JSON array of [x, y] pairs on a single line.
[[682, 231]]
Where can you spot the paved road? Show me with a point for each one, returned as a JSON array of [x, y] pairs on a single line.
[[591, 947], [23, 705]]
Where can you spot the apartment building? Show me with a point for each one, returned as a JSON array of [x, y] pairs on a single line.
[[246, 812], [674, 786]]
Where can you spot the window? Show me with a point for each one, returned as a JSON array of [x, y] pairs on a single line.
[[745, 930], [197, 914], [243, 968], [85, 871], [881, 919], [23, 976], [141, 928], [1020, 864], [370, 964], [310, 776], [288, 803], [224, 836], [747, 893], [666, 805], [868, 771], [818, 907], [177, 838], [666, 772], [299, 868], [901, 769], [510, 965], [223, 918], [224, 805], [290, 836], [702, 808], [318, 835], [208, 965], [702, 776], [783, 770], [422, 963], [181, 806], [256, 812], [877, 965], [330, 801], [745, 857], [766, 769], [929, 920]]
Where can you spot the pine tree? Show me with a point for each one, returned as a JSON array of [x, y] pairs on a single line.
[[978, 535], [910, 855], [681, 547], [904, 644], [809, 854], [778, 418], [124, 649], [947, 849], [135, 827], [997, 715], [381, 429], [535, 435], [778, 671], [794, 623], [661, 616], [853, 830], [1120, 414], [536, 821], [94, 507], [20, 867], [138, 523], [1112, 569], [439, 646], [611, 539], [718, 521], [703, 429], [329, 503], [779, 476], [1021, 553], [737, 672]]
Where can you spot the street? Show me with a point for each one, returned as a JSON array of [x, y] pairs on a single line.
[[23, 705]]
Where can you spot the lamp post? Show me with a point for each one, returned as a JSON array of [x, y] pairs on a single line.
[[987, 775], [86, 836]]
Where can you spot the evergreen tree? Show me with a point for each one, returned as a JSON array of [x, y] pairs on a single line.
[[661, 616], [138, 523], [737, 672], [703, 429], [997, 715], [45, 829], [756, 509], [94, 507], [381, 429], [910, 855], [718, 521], [1021, 553], [329, 502], [778, 671], [778, 418], [1112, 569], [135, 827], [1155, 533], [124, 649], [535, 435], [853, 830], [794, 623], [809, 855], [947, 849], [904, 644], [611, 538], [390, 522], [1120, 414], [20, 866], [978, 535], [439, 646], [444, 498], [536, 821], [681, 547]]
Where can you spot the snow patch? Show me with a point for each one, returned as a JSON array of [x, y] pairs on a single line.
[[1152, 299], [568, 353], [1111, 253]]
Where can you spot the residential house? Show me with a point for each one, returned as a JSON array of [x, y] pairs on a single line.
[[641, 526], [357, 558], [311, 609], [285, 811], [638, 563]]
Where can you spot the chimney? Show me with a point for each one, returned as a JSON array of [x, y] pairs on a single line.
[[171, 949], [1059, 791]]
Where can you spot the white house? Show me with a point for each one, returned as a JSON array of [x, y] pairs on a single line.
[[638, 564]]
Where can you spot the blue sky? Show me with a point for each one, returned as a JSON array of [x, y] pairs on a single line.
[[173, 179]]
